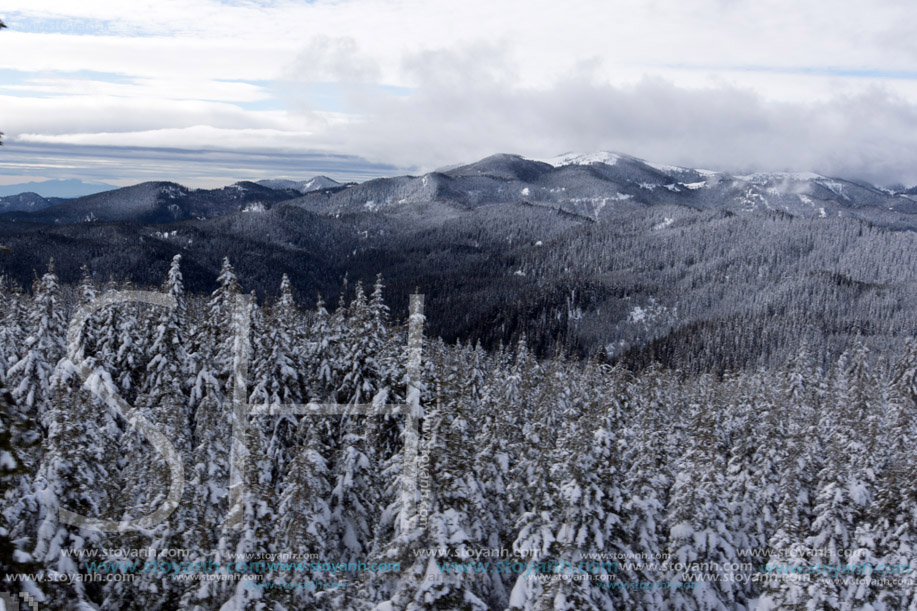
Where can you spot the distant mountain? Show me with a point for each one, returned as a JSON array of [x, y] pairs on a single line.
[[155, 202], [591, 185], [57, 188], [303, 186], [599, 253], [597, 185], [26, 202]]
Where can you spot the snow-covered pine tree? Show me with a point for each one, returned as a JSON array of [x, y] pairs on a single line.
[[261, 429], [76, 472], [754, 466], [11, 326], [798, 455], [355, 494], [385, 429], [888, 534], [29, 378], [119, 347], [218, 324], [162, 396], [304, 514], [205, 505], [530, 435], [20, 443], [647, 480], [360, 347], [455, 505], [145, 476], [276, 377], [591, 495], [87, 294], [497, 430], [535, 487], [255, 510], [5, 344], [845, 481], [698, 520], [490, 461], [167, 350], [316, 354]]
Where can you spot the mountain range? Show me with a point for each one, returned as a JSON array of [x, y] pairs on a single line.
[[154, 202], [590, 185], [599, 253], [69, 188], [599, 185]]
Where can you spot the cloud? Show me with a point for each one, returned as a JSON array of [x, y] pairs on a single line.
[[195, 167], [170, 89], [461, 112], [334, 59], [800, 87], [86, 114], [187, 138], [150, 57]]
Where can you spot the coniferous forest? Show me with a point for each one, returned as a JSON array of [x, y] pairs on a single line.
[[352, 305], [560, 483]]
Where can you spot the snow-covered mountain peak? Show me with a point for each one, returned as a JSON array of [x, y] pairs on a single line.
[[761, 177], [606, 157], [316, 183]]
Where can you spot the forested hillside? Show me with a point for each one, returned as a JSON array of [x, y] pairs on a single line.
[[692, 289], [557, 483]]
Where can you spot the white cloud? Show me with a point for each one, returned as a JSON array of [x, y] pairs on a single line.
[[867, 135], [155, 57], [148, 88], [90, 113], [195, 167], [196, 136], [545, 38], [794, 84], [334, 59]]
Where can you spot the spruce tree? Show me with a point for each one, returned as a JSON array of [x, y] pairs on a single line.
[[29, 378]]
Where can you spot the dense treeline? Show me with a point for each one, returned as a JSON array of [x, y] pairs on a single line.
[[553, 460], [698, 290]]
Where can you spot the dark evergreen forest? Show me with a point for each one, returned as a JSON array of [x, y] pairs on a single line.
[[726, 467]]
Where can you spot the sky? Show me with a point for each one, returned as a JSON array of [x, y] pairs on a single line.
[[208, 92]]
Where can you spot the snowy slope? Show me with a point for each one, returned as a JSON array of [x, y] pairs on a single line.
[[303, 186], [589, 185], [596, 185]]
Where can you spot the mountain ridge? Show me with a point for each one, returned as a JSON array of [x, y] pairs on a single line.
[[316, 183], [153, 202], [65, 189], [598, 184], [591, 185], [623, 260]]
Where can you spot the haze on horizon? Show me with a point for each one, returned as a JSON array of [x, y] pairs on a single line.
[[205, 92]]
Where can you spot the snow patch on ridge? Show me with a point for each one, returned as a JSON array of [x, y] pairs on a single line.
[[582, 159]]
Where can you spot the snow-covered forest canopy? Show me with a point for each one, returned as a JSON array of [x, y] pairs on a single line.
[[703, 482]]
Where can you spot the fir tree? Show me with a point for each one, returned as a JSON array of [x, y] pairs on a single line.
[[277, 378], [699, 529], [19, 445], [29, 378]]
